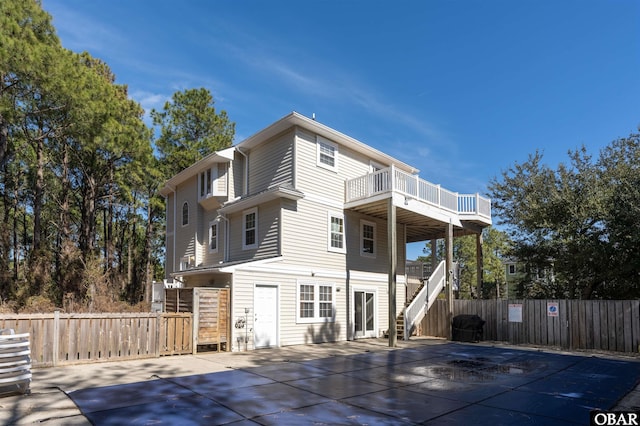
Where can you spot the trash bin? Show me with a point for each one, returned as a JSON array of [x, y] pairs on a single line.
[[467, 328]]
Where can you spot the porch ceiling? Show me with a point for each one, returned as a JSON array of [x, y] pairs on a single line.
[[419, 226]]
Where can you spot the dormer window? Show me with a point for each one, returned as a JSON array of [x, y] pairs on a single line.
[[209, 182]]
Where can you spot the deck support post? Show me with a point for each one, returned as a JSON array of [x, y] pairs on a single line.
[[393, 266], [449, 274], [480, 266]]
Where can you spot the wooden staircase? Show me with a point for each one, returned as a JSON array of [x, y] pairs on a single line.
[[419, 303], [400, 318]]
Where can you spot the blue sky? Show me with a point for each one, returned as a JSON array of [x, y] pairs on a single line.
[[459, 89]]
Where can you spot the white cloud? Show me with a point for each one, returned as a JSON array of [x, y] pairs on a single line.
[[79, 32]]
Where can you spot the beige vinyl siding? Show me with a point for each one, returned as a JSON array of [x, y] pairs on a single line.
[[170, 235], [206, 258], [268, 237], [305, 227], [236, 174], [316, 180], [271, 163], [289, 332], [305, 236], [223, 176], [185, 235]]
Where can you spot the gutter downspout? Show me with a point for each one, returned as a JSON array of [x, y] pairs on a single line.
[[245, 177], [225, 257]]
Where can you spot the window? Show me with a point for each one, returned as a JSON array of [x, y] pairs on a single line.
[[307, 300], [213, 237], [185, 214], [208, 179], [367, 238], [336, 233], [185, 263], [250, 229], [327, 154], [316, 302], [512, 269]]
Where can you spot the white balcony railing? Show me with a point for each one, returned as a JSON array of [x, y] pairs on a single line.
[[392, 179]]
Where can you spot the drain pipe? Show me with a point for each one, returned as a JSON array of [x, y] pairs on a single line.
[[225, 257]]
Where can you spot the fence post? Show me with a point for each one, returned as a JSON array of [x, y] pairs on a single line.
[[56, 337], [158, 333], [196, 320]]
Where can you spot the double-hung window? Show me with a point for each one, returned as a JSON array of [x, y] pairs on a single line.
[[367, 238], [316, 302], [336, 233], [326, 154], [250, 229], [213, 237]]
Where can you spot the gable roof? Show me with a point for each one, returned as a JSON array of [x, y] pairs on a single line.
[[296, 119], [290, 120]]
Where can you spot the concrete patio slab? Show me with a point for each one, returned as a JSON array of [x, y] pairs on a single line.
[[424, 381]]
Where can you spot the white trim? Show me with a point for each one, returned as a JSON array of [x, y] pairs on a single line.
[[330, 247], [326, 143], [246, 213], [374, 239], [376, 311], [316, 302], [374, 166], [277, 287]]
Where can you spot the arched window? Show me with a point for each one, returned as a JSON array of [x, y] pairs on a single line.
[[185, 214]]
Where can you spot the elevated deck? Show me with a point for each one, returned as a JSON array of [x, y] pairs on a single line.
[[425, 208]]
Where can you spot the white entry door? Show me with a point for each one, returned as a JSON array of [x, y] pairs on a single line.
[[265, 319], [364, 313]]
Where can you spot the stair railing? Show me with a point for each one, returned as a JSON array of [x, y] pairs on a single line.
[[420, 304]]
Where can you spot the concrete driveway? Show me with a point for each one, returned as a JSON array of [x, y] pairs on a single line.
[[424, 381]]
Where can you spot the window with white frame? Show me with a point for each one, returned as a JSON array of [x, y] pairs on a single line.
[[185, 263], [327, 154], [336, 233], [512, 269], [316, 302], [185, 214], [250, 228], [213, 237], [367, 238]]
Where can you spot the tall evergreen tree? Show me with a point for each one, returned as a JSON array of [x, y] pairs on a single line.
[[190, 128]]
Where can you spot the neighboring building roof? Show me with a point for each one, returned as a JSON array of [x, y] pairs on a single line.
[[291, 120]]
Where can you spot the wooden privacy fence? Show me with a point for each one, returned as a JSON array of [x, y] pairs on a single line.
[[211, 312], [608, 325], [59, 338]]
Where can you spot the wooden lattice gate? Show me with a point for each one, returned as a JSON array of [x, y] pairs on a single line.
[[211, 313]]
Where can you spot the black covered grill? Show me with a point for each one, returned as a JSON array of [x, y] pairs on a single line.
[[467, 328]]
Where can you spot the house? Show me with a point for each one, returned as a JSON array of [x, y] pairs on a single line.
[[308, 228], [526, 273]]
